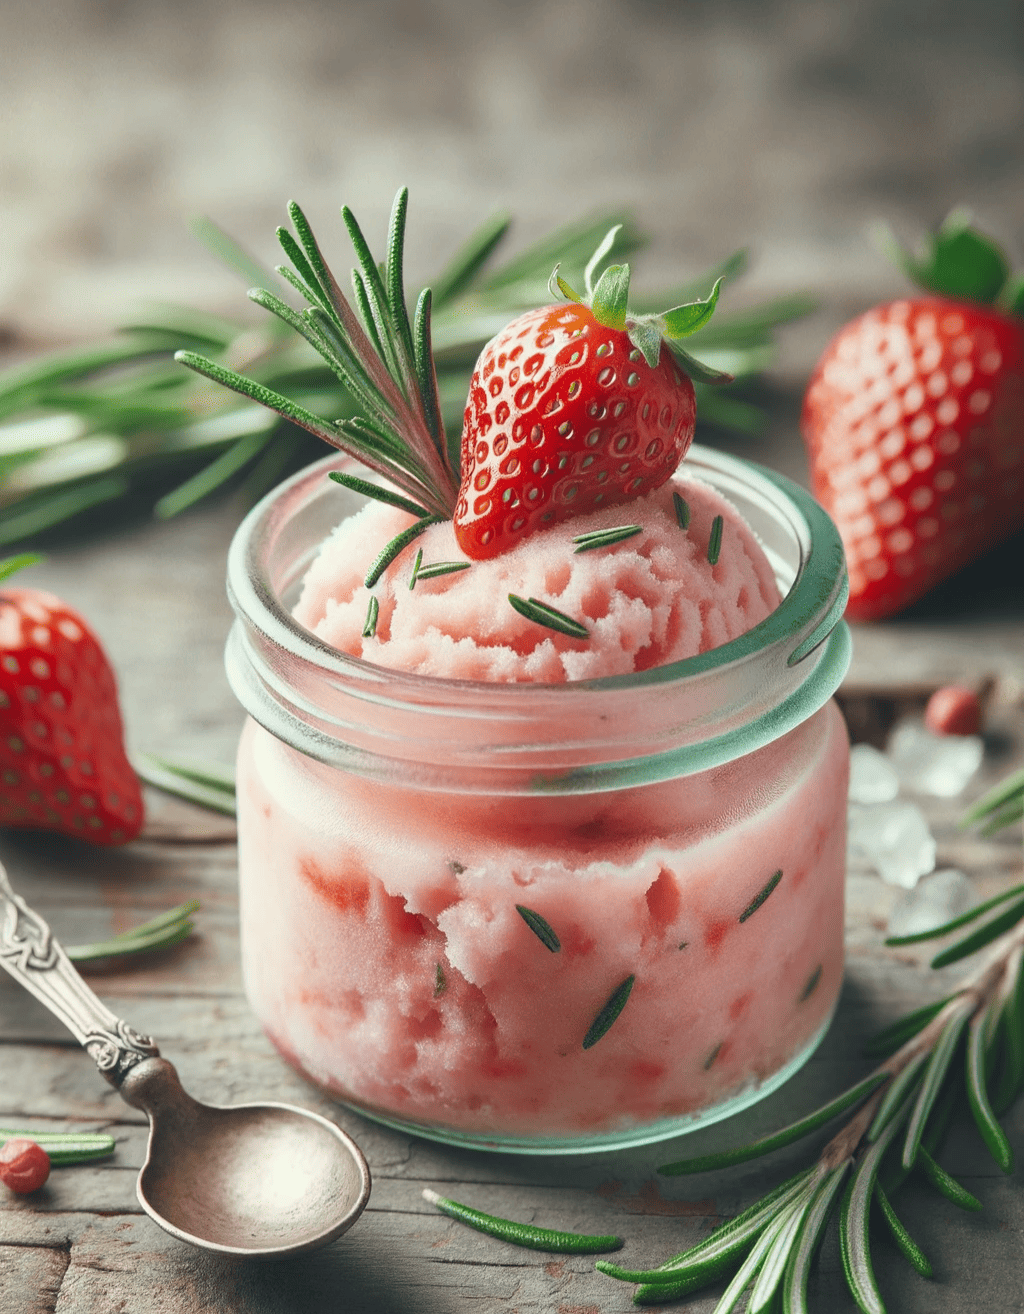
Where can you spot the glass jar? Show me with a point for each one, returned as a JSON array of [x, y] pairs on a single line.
[[544, 918]]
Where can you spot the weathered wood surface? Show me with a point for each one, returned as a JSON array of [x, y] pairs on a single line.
[[82, 1246]]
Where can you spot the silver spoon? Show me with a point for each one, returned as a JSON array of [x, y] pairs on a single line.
[[262, 1180]]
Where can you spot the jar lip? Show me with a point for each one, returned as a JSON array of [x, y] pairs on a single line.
[[809, 611]]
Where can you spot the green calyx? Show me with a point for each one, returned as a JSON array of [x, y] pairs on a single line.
[[958, 261], [608, 302]]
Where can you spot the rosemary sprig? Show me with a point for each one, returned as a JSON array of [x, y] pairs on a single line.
[[117, 423], [65, 1147], [682, 508], [905, 1107], [715, 541], [159, 932], [550, 617], [541, 928], [438, 568], [614, 1005]]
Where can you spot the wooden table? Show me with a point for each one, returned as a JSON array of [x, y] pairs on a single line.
[[82, 1244]]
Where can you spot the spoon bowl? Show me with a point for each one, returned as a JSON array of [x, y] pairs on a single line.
[[257, 1180]]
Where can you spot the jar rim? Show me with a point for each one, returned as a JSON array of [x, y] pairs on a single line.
[[278, 668]]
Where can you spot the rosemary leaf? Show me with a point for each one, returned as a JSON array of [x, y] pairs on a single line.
[[760, 897], [212, 476], [977, 1094], [438, 568], [774, 1267], [612, 1008], [265, 396], [909, 1248], [682, 508], [524, 1234], [715, 541], [1006, 791], [890, 1038], [946, 1185], [415, 569], [794, 1291], [372, 612], [458, 275], [65, 1147], [426, 377], [543, 614], [159, 933], [854, 1217], [795, 1132], [540, 927], [600, 538], [398, 545], [984, 935], [162, 774], [896, 1094], [216, 775], [229, 251], [748, 1270], [394, 275], [938, 931], [1011, 1077], [934, 1076], [1004, 816], [13, 564], [37, 514]]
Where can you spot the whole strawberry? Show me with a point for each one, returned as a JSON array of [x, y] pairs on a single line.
[[914, 424], [574, 407], [62, 760]]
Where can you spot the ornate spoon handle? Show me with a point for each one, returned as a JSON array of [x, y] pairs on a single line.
[[29, 951]]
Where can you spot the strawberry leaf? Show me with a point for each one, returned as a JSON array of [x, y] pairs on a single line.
[[957, 262], [646, 337], [681, 321], [696, 369], [603, 250], [611, 296]]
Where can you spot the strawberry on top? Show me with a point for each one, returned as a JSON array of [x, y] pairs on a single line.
[[914, 424], [573, 407]]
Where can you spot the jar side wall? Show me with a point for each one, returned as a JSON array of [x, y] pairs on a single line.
[[384, 953]]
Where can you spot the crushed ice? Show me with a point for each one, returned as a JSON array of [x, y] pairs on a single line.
[[891, 834], [937, 899]]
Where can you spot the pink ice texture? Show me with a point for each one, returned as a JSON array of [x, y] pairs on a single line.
[[646, 601]]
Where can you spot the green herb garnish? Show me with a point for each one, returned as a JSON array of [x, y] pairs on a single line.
[[760, 897], [209, 785], [378, 493], [682, 511], [372, 612], [524, 1234], [540, 927], [438, 568], [397, 546], [599, 538], [715, 541], [611, 1010], [550, 617]]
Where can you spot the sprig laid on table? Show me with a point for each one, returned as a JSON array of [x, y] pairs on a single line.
[[160, 932], [120, 422], [965, 1048]]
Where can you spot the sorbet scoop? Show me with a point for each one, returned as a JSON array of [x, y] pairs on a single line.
[[263, 1180]]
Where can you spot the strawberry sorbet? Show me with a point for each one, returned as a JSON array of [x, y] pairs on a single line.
[[543, 959]]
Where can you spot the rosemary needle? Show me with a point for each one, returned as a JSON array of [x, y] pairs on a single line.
[[550, 617], [524, 1234]]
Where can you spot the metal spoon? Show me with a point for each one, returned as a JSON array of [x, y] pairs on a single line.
[[263, 1180]]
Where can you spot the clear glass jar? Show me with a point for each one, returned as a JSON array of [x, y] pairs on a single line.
[[681, 832]]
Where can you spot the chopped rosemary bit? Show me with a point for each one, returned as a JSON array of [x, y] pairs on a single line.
[[415, 569], [543, 614], [438, 568], [760, 897], [372, 612], [159, 932], [715, 541], [600, 538], [540, 927], [440, 980], [709, 1062], [397, 545], [378, 493], [616, 1003], [524, 1234], [812, 984], [682, 511]]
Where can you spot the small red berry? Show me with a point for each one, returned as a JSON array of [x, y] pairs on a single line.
[[953, 710], [24, 1165]]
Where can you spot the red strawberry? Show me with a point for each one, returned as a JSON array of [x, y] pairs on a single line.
[[572, 407], [914, 426], [62, 760]]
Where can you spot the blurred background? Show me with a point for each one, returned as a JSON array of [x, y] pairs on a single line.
[[785, 126]]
